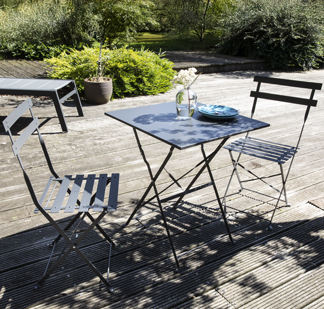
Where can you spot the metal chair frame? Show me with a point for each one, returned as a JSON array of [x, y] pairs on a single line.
[[268, 150], [69, 189]]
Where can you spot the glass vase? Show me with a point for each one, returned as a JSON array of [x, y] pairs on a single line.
[[186, 101]]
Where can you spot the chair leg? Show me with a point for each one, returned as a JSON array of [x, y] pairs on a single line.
[[74, 247], [283, 191], [234, 171], [283, 185], [48, 272], [94, 269], [101, 230], [75, 218], [235, 164]]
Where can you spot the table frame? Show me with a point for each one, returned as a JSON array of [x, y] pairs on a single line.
[[44, 87], [141, 122], [206, 161]]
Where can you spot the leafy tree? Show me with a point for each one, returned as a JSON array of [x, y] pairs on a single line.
[[186, 16], [120, 20]]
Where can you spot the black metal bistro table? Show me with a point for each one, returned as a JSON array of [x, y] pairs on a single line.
[[160, 121]]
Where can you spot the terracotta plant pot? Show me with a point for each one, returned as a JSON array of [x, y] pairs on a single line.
[[98, 92]]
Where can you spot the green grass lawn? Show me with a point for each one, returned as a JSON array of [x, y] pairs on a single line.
[[169, 42]]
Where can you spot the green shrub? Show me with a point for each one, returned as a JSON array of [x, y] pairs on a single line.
[[43, 28], [133, 72], [285, 33], [34, 51]]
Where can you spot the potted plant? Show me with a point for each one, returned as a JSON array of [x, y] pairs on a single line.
[[98, 89], [118, 20]]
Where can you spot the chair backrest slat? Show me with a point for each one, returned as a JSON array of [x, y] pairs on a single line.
[[113, 194], [306, 101], [16, 114], [288, 82], [283, 98], [16, 145]]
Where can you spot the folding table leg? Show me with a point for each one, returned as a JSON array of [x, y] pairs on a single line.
[[207, 161], [166, 227], [152, 184], [216, 193], [139, 204]]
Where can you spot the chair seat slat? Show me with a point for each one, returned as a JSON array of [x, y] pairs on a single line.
[[265, 156], [113, 193], [265, 144], [271, 149], [263, 149], [86, 197], [57, 205], [100, 194], [42, 198], [254, 152], [71, 203]]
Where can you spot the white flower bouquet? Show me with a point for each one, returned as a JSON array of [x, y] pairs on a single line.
[[186, 77]]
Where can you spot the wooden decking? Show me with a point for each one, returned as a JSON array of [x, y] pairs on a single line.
[[281, 268]]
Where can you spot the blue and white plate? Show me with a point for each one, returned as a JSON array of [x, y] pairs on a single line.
[[218, 111]]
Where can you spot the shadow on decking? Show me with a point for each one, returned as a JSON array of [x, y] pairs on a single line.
[[142, 268]]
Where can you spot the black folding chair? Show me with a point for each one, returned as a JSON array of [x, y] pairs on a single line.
[[62, 194], [269, 150]]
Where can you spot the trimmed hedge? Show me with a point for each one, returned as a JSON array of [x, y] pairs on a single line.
[[133, 72]]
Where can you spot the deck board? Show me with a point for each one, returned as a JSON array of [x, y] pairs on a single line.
[[263, 269]]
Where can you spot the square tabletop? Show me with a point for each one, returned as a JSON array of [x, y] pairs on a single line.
[[160, 121], [32, 84]]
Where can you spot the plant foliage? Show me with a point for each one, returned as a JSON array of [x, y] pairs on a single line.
[[53, 25], [120, 20], [133, 72], [45, 28], [285, 33], [191, 16]]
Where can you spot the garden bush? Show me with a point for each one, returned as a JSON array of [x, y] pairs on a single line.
[[39, 29], [285, 33], [133, 72]]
